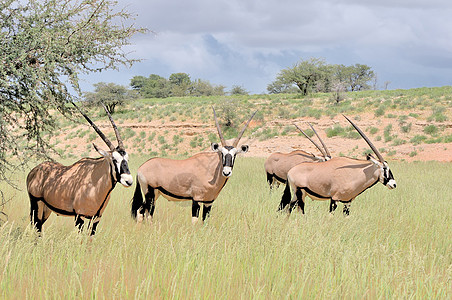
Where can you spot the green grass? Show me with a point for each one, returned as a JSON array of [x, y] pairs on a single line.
[[396, 244]]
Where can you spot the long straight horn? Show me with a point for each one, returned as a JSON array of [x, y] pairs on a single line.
[[220, 134], [374, 149], [321, 141], [100, 133], [312, 141], [236, 142], [118, 137]]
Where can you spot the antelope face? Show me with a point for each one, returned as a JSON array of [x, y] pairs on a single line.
[[120, 160], [228, 154], [386, 176]]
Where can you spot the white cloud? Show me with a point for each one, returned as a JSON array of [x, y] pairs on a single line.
[[247, 42]]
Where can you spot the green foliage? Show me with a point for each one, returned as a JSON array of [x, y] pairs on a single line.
[[431, 129], [46, 45], [438, 114], [238, 90], [110, 94], [177, 85], [380, 111], [372, 130], [336, 130], [418, 139], [314, 75], [387, 133]]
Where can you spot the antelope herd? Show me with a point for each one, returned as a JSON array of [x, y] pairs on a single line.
[[83, 189]]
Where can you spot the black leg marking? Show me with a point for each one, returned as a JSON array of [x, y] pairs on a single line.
[[206, 212], [195, 209], [270, 180], [93, 229], [333, 206], [149, 203], [297, 200], [346, 210], [300, 202], [36, 222], [286, 197], [79, 223]]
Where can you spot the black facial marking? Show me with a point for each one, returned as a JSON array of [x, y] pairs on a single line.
[[227, 161]]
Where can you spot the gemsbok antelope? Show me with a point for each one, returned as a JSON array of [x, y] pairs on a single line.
[[278, 164], [338, 179], [199, 178], [81, 190]]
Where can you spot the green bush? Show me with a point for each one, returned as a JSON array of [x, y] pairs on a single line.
[[431, 129], [336, 130]]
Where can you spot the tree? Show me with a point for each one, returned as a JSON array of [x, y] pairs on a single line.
[[355, 78], [180, 84], [200, 87], [110, 94], [308, 75], [154, 86], [46, 45], [238, 90]]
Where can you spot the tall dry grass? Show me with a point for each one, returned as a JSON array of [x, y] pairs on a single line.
[[396, 244]]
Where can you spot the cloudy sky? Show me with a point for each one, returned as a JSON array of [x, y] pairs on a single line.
[[247, 42]]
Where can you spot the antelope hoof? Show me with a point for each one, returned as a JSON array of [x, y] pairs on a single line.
[[140, 218], [194, 220]]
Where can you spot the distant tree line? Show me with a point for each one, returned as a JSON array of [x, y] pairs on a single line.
[[315, 75], [177, 85], [306, 76]]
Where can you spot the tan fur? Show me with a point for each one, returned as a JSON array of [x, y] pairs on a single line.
[[80, 189], [198, 177], [279, 164], [339, 179]]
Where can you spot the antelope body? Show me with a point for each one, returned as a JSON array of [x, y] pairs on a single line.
[[199, 178], [81, 190], [278, 164], [338, 179]]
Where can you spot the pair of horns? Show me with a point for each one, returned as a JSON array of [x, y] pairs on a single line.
[[374, 149], [324, 151], [220, 134], [100, 133]]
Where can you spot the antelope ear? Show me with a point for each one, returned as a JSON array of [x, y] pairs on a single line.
[[100, 151], [215, 147], [244, 148], [372, 159]]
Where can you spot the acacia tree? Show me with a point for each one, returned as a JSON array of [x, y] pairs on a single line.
[[46, 45], [355, 77], [110, 94], [306, 75]]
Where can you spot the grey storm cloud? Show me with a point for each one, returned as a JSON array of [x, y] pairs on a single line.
[[245, 42]]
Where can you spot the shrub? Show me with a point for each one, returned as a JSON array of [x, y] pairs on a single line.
[[413, 153], [380, 111], [418, 139], [431, 129], [372, 130], [406, 128], [336, 130]]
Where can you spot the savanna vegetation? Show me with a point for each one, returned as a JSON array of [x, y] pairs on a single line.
[[395, 244]]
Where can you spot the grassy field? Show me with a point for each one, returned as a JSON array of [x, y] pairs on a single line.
[[396, 244]]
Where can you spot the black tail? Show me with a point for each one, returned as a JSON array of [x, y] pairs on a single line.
[[286, 197], [269, 179], [137, 200]]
